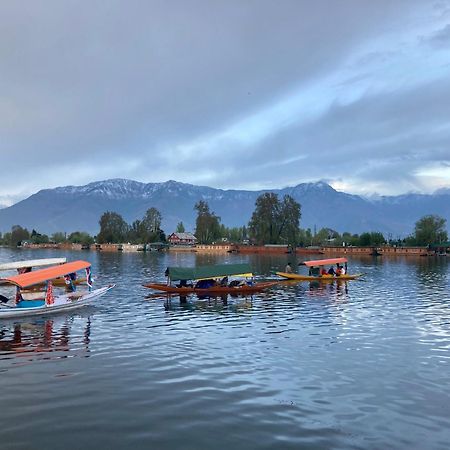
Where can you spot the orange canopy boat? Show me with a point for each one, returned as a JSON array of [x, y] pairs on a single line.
[[314, 275], [28, 301]]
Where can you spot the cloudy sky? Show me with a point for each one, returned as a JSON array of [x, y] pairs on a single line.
[[225, 93]]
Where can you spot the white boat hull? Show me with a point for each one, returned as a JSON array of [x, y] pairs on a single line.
[[62, 304]]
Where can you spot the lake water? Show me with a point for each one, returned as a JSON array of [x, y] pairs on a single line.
[[362, 365]]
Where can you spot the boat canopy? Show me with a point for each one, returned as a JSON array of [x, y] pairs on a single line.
[[204, 272], [325, 262], [32, 263], [41, 276]]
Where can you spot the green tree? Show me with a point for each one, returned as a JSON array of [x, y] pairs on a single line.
[[6, 239], [80, 237], [373, 238], [136, 233], [289, 220], [305, 237], [180, 228], [430, 229], [113, 228], [151, 226], [274, 222], [18, 234], [264, 224], [38, 238], [58, 237], [207, 225]]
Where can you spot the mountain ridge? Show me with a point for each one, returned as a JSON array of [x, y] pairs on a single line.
[[78, 208]]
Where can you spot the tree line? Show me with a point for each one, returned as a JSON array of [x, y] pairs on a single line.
[[274, 221]]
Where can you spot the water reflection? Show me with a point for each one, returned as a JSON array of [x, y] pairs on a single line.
[[195, 302], [42, 338], [343, 365]]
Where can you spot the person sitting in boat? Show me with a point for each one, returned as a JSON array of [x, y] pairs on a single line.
[[288, 268], [338, 270], [224, 281], [343, 271], [323, 271], [205, 284], [331, 271]]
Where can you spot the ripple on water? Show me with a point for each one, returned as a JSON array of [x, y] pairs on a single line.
[[350, 365]]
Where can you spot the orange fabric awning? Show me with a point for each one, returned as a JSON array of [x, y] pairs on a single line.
[[41, 276], [325, 262]]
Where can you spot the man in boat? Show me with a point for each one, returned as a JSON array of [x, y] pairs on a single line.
[[288, 268], [331, 271], [323, 271], [338, 270]]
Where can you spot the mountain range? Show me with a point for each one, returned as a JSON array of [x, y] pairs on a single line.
[[78, 208]]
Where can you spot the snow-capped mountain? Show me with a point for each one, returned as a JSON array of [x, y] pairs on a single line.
[[73, 208]]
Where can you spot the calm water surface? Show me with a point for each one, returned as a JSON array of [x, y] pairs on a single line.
[[362, 365]]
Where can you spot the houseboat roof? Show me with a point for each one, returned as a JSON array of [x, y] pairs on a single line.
[[184, 235]]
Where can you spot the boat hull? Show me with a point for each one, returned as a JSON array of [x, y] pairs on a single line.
[[324, 278], [216, 290], [62, 304]]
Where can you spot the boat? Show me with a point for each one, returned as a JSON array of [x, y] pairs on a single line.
[[315, 273], [28, 265], [28, 301], [206, 280]]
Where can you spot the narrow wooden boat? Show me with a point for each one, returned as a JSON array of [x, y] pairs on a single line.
[[314, 275], [295, 276], [216, 290], [205, 280], [49, 301]]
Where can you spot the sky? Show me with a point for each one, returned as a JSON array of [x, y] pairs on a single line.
[[236, 94]]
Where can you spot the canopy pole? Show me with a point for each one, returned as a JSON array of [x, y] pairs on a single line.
[[88, 278]]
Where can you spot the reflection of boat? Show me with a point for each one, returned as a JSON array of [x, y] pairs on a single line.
[[205, 280], [48, 301], [42, 336], [314, 274], [28, 265]]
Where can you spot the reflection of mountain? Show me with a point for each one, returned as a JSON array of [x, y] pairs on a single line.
[[74, 208], [41, 336]]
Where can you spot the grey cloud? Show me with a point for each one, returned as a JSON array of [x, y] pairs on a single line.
[[100, 89], [384, 138], [440, 38]]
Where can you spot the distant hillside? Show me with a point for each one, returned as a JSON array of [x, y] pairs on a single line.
[[73, 208]]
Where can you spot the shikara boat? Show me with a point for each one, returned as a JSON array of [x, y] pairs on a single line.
[[205, 280], [28, 265], [27, 301], [315, 274]]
